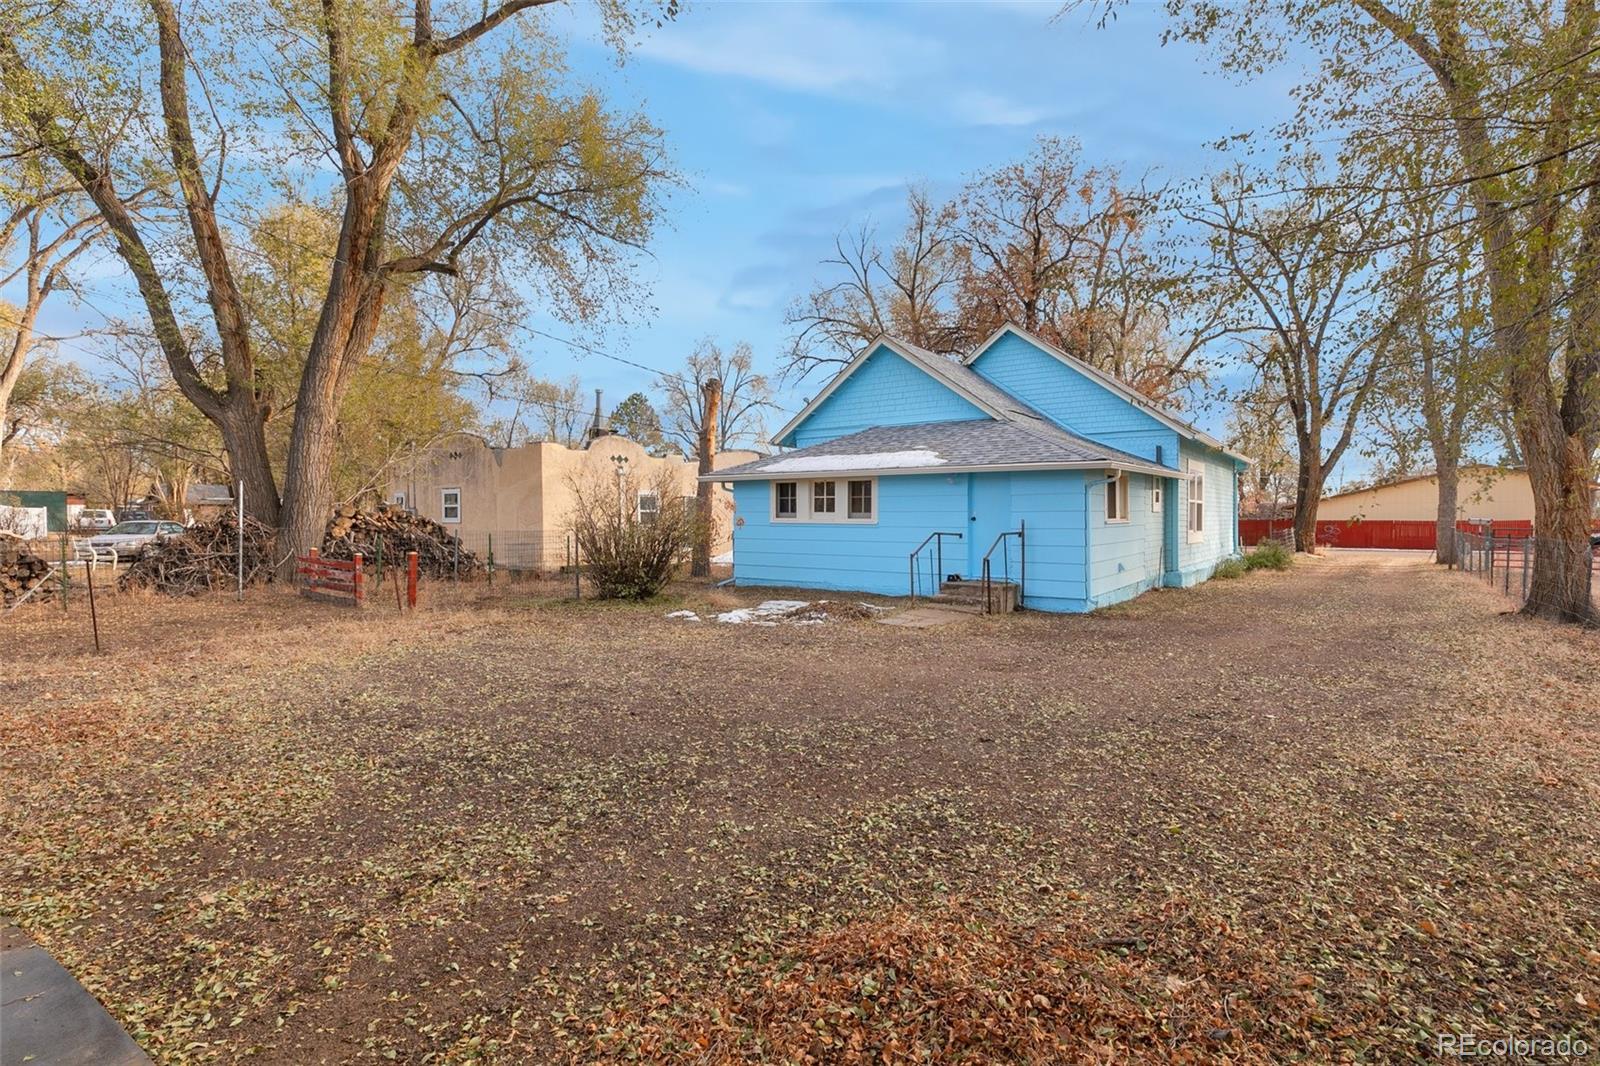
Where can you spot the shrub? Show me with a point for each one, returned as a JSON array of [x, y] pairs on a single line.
[[1269, 555], [630, 553], [1230, 568]]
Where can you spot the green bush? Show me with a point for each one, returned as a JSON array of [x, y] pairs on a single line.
[[1269, 555], [1230, 568]]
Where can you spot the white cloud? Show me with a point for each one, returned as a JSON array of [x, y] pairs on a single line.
[[979, 107], [799, 47]]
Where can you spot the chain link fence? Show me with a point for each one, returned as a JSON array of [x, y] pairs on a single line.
[[1505, 563]]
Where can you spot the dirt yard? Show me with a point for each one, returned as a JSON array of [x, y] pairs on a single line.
[[1327, 814]]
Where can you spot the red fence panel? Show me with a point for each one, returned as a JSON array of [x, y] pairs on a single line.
[[1253, 531], [331, 580], [1375, 533]]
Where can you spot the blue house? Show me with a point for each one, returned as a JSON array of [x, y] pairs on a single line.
[[909, 469]]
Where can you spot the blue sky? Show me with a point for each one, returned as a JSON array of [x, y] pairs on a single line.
[[790, 121]]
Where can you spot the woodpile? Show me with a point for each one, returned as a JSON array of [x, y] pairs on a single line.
[[393, 532], [21, 570], [203, 558]]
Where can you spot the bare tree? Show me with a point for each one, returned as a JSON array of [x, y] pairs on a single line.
[[1065, 250], [1319, 332], [1258, 427], [745, 397], [904, 291], [1443, 378]]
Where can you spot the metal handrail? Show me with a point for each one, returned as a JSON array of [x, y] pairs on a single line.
[[911, 560], [1005, 556]]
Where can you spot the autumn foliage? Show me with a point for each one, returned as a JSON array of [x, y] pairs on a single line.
[[960, 985]]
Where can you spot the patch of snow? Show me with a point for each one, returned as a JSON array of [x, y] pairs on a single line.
[[869, 461], [761, 614], [725, 559], [873, 606], [685, 616]]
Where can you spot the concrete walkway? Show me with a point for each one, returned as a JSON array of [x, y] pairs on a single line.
[[49, 1019]]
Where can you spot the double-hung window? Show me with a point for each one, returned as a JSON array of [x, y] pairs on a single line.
[[824, 500], [1197, 500], [1117, 498], [649, 508], [786, 499], [449, 505], [848, 500], [860, 500]]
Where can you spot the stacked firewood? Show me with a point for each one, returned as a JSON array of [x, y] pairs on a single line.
[[21, 570], [391, 533], [204, 557]]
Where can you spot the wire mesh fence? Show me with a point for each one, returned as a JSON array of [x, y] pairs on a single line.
[[521, 551], [1506, 564]]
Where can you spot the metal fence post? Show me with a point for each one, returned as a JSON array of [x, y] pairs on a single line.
[[63, 573], [1525, 568], [491, 560], [238, 535]]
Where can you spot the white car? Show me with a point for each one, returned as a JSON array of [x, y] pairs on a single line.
[[129, 539], [96, 518]]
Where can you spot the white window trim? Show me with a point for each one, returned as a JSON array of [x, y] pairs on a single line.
[[799, 511], [872, 495], [804, 502], [444, 508], [1194, 492], [638, 504], [1157, 493], [1120, 487], [399, 500]]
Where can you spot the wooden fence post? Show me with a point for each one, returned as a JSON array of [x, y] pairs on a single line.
[[411, 580], [356, 579]]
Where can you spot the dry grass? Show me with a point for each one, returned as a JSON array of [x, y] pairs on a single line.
[[1319, 815]]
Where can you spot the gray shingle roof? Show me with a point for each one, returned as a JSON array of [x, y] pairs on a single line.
[[933, 446]]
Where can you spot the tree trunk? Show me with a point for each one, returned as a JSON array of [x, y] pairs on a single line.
[[705, 491], [1308, 494], [11, 371], [1444, 522], [244, 438], [1560, 586]]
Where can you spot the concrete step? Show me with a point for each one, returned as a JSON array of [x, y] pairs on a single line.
[[973, 585], [951, 603], [1002, 595]]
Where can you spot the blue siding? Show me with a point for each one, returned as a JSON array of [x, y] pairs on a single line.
[[1219, 540], [885, 390], [1052, 504], [1076, 560], [835, 555], [1073, 399], [1125, 557]]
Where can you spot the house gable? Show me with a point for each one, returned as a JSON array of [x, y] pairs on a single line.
[[1075, 399], [879, 388]]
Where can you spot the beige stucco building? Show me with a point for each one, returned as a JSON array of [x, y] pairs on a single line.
[[1484, 492], [518, 500]]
